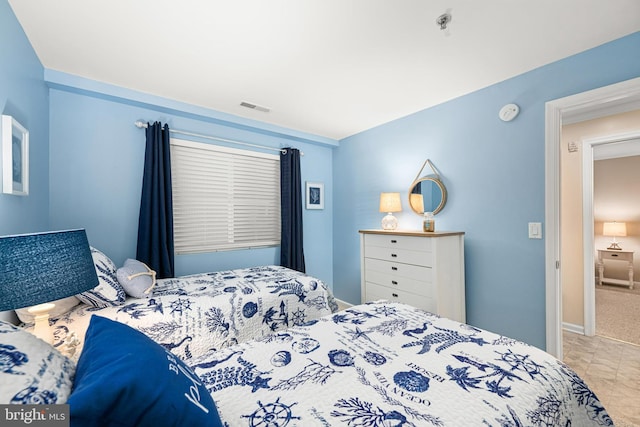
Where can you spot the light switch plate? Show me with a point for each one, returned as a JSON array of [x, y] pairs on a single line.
[[535, 230]]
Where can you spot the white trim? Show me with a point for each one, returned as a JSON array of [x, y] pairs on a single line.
[[570, 327], [625, 94], [588, 146]]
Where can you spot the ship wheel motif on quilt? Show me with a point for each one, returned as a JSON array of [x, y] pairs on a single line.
[[274, 414]]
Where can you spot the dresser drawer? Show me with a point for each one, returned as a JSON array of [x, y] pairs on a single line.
[[424, 259], [398, 242], [620, 256], [376, 292], [404, 277]]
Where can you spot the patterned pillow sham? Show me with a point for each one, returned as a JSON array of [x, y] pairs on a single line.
[[109, 292], [32, 371]]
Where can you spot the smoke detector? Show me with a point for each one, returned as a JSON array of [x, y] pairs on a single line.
[[443, 20]]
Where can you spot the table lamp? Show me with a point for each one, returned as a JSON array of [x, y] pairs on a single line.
[[42, 267], [390, 202], [614, 229]]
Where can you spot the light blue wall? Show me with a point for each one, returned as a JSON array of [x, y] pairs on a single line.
[[96, 170], [494, 173], [24, 96]]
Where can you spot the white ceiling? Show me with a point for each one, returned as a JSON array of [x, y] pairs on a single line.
[[327, 67]]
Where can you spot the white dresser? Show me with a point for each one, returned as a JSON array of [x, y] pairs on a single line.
[[425, 270]]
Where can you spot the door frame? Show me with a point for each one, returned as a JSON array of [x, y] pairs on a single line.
[[588, 146], [615, 98]]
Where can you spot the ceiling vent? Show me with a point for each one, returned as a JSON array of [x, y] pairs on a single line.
[[254, 106]]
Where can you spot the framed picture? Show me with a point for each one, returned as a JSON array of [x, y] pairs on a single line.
[[315, 195], [15, 157]]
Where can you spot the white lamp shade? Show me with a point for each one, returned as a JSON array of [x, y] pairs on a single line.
[[390, 202], [614, 229]]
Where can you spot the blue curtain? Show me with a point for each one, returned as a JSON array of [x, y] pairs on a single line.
[[155, 224], [291, 251]]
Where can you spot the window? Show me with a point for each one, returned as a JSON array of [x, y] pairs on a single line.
[[224, 198]]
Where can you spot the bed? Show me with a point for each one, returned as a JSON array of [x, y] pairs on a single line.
[[377, 364], [194, 314], [391, 364]]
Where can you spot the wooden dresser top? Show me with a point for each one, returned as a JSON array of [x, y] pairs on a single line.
[[417, 233]]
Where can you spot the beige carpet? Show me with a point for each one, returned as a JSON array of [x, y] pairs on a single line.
[[618, 313]]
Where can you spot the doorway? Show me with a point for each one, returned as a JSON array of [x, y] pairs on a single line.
[[601, 148], [620, 97]]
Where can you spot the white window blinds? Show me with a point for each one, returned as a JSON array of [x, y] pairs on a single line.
[[223, 198]]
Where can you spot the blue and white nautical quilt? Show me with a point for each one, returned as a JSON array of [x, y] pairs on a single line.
[[192, 315], [388, 364]]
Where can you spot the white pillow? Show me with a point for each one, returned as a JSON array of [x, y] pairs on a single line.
[[108, 292], [62, 306], [32, 371]]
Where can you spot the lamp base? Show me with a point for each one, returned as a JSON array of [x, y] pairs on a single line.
[[614, 246], [41, 316], [389, 222]]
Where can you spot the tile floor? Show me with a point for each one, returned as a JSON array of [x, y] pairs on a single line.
[[612, 370]]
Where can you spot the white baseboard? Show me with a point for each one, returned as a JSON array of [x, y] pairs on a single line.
[[570, 327]]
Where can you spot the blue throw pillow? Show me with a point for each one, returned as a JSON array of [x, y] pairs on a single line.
[[136, 278], [123, 378]]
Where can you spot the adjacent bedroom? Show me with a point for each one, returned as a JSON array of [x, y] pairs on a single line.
[[319, 213]]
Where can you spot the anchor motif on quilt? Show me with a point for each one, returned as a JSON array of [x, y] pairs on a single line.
[[446, 339], [275, 319], [138, 310], [245, 374], [289, 288]]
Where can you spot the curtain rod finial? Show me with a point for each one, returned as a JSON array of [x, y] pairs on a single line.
[[140, 124]]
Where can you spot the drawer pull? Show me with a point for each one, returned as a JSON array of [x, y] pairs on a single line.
[[394, 241], [394, 268], [394, 295], [614, 254], [394, 256], [393, 282]]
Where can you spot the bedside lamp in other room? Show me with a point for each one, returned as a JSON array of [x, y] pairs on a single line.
[[390, 203], [42, 267], [614, 229]]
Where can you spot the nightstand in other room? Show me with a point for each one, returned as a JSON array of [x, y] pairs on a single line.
[[615, 255]]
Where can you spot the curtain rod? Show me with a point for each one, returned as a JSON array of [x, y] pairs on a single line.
[[140, 124]]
